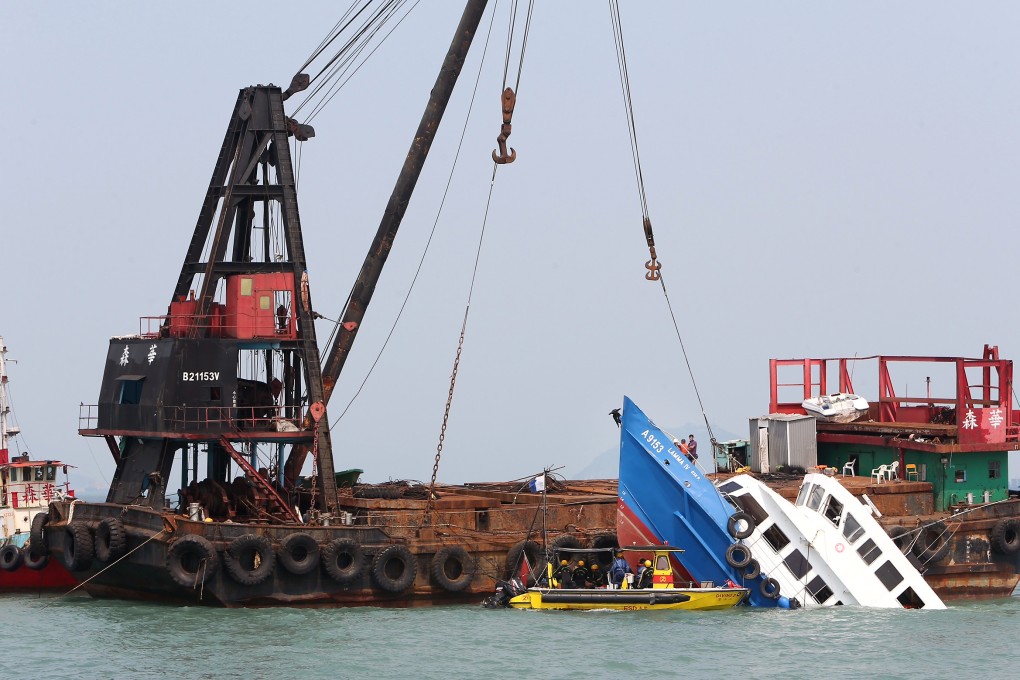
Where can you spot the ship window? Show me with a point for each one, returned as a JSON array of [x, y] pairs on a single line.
[[889, 576], [815, 498], [994, 469], [909, 599], [833, 509], [852, 529], [246, 287], [961, 475], [869, 552], [776, 538], [662, 563], [802, 496], [751, 507], [26, 474], [797, 564], [819, 590], [130, 389], [265, 302], [730, 487], [214, 394], [51, 473], [38, 473]]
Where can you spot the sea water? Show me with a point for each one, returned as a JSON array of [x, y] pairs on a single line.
[[77, 637]]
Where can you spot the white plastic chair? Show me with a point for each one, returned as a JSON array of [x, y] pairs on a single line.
[[849, 467], [878, 474], [893, 470]]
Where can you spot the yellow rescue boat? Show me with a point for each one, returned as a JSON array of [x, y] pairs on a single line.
[[661, 595]]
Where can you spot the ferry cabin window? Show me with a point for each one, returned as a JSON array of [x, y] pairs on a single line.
[[815, 499], [833, 509], [729, 487], [869, 552], [819, 590], [994, 469], [776, 538], [852, 529], [798, 564], [803, 494], [751, 507], [889, 576]]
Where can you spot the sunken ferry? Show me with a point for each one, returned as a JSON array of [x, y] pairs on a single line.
[[228, 387]]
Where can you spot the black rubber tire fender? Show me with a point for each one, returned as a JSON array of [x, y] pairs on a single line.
[[191, 560], [77, 547], [752, 570], [733, 524], [250, 559], [37, 535], [769, 588], [565, 541], [111, 539], [36, 563], [394, 568], [299, 553], [11, 557], [932, 543], [902, 537], [344, 560], [604, 557], [453, 568], [1006, 536], [738, 562], [515, 559]]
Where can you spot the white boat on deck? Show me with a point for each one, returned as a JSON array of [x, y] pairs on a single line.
[[836, 408], [825, 550]]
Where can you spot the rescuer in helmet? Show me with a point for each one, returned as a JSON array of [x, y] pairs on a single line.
[[580, 575]]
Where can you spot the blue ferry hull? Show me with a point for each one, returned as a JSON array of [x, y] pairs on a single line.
[[664, 498]]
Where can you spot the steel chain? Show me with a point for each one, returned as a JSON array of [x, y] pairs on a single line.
[[426, 517]]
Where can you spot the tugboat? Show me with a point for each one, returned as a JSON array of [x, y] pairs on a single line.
[[232, 375], [26, 489]]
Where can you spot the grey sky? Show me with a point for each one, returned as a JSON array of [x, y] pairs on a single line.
[[824, 179]]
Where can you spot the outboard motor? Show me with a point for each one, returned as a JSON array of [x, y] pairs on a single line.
[[505, 591]]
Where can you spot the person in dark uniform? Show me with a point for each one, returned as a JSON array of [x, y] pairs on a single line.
[[619, 570], [692, 447], [598, 577], [580, 575], [562, 575], [645, 575]]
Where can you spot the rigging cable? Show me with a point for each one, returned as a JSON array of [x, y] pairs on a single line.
[[428, 243], [653, 266]]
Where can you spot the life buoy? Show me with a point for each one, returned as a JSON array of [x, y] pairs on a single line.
[[191, 560], [1006, 536], [932, 543], [77, 547], [33, 562], [10, 557], [343, 559], [902, 537], [453, 568], [394, 568], [733, 525], [111, 539], [250, 559], [604, 557], [564, 541], [738, 555], [299, 554], [769, 588], [752, 570], [37, 536], [515, 561]]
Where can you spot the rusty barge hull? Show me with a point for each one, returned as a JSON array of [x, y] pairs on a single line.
[[473, 542]]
